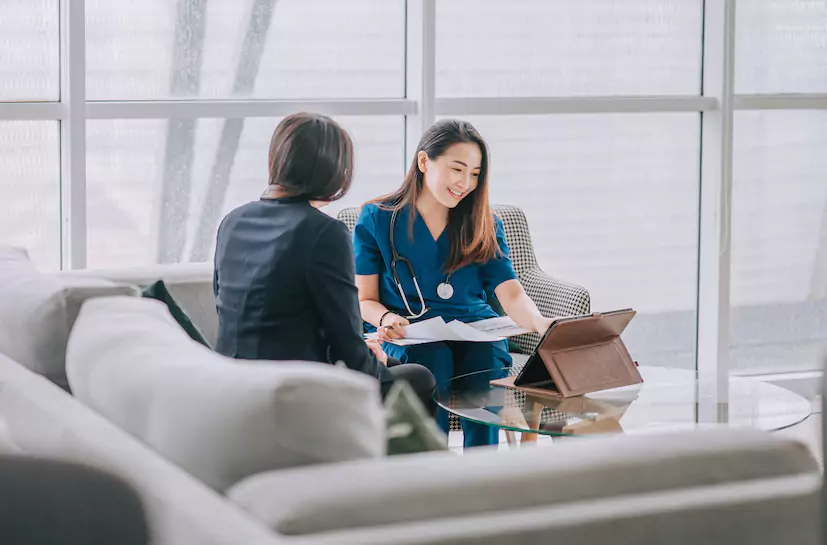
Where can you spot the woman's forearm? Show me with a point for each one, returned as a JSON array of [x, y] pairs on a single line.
[[523, 311], [372, 311], [518, 305]]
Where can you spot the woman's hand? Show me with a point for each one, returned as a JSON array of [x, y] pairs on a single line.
[[376, 348], [541, 324], [391, 328]]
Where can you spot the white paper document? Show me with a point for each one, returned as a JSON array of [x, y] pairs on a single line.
[[436, 329]]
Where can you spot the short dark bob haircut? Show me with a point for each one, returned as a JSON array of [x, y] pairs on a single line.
[[311, 157]]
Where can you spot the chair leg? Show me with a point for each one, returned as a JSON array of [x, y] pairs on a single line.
[[526, 437], [536, 414]]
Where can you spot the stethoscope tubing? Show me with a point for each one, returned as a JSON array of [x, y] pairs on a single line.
[[394, 262]]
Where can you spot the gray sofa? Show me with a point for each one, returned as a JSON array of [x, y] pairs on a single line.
[[711, 486]]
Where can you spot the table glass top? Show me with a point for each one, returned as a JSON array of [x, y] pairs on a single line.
[[667, 400]]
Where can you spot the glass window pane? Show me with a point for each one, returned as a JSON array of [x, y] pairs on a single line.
[[781, 47], [779, 241], [612, 203], [568, 47], [158, 49], [30, 189], [157, 189], [29, 50]]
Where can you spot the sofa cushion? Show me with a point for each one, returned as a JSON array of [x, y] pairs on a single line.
[[428, 486], [39, 309], [218, 418]]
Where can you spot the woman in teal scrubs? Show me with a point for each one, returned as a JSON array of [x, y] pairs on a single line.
[[435, 248]]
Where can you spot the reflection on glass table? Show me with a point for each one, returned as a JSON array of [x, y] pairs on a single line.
[[668, 400]]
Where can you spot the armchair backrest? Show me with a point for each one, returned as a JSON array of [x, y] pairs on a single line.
[[516, 234]]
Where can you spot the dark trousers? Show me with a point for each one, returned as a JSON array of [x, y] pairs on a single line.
[[446, 360], [420, 379]]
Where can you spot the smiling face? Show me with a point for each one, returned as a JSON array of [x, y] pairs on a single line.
[[452, 176]]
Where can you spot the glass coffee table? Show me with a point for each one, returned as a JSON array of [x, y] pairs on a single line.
[[667, 400]]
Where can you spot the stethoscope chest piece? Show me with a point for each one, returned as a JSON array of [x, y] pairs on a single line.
[[445, 290]]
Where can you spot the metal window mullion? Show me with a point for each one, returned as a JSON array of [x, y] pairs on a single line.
[[715, 214], [781, 101], [237, 109], [572, 105], [32, 111], [420, 70], [73, 134]]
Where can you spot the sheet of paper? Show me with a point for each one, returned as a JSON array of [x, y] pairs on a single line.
[[426, 331], [502, 326], [467, 333], [435, 329], [402, 342]]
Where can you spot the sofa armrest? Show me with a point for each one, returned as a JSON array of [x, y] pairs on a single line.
[[554, 298], [420, 487]]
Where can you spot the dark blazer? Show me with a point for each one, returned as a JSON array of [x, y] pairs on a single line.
[[284, 287]]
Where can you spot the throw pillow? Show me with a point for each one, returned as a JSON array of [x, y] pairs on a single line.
[[409, 427], [38, 311], [218, 418], [159, 292]]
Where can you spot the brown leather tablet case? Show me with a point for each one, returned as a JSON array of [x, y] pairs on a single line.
[[578, 355]]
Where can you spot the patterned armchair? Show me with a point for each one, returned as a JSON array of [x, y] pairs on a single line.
[[553, 297]]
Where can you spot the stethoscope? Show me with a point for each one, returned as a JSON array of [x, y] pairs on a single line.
[[445, 290]]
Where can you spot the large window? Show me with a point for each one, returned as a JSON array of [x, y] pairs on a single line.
[[644, 249], [568, 47], [156, 193], [778, 302], [162, 49], [29, 50], [127, 131], [30, 189], [779, 240], [781, 46]]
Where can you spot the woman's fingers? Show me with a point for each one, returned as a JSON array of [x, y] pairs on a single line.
[[395, 330], [392, 331], [376, 348]]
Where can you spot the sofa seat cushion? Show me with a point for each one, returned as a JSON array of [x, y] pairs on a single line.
[[429, 486], [38, 311], [218, 418]]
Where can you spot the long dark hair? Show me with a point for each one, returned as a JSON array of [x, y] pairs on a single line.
[[470, 227], [311, 157]]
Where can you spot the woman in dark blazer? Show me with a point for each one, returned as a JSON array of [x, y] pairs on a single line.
[[284, 270]]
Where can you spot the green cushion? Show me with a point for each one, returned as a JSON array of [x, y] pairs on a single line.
[[409, 427], [159, 291], [498, 308]]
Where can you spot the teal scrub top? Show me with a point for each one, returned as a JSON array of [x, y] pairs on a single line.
[[469, 303]]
